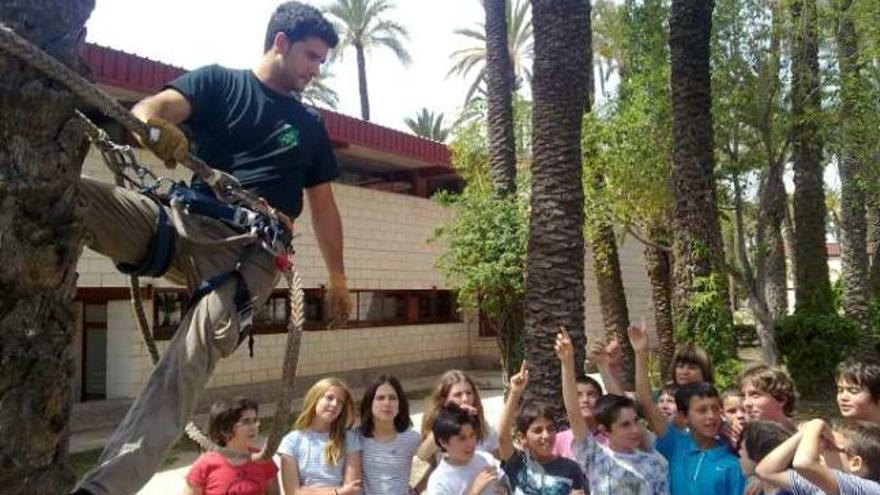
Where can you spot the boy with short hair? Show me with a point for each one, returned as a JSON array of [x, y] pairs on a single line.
[[768, 394], [855, 447], [858, 389], [699, 462], [534, 469], [619, 467], [463, 470]]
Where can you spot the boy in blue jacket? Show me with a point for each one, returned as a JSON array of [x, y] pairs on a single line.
[[699, 461]]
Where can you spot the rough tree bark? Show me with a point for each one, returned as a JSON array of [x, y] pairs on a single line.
[[499, 83]]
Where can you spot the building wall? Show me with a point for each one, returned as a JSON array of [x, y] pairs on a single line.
[[386, 247]]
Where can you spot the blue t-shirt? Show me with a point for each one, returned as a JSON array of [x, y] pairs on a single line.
[[306, 447], [693, 471]]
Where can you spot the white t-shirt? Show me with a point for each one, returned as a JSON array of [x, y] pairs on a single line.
[[448, 479]]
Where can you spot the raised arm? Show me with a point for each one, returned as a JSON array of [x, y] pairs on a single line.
[[565, 353], [773, 468], [518, 384], [638, 338], [598, 354], [806, 457]]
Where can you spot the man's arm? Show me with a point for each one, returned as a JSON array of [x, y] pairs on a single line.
[[806, 457], [328, 227], [518, 383], [168, 104], [162, 112], [773, 468], [638, 337]]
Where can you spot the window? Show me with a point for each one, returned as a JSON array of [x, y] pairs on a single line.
[[169, 305]]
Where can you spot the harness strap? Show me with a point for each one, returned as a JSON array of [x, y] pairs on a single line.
[[160, 251]]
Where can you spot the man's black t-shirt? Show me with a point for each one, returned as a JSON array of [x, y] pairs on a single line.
[[270, 142]]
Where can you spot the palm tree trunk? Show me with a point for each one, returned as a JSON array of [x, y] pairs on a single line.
[[42, 153], [555, 259], [609, 283], [659, 267], [499, 81], [697, 245], [813, 289], [362, 82], [854, 226]]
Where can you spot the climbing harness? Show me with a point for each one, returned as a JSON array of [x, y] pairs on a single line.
[[256, 221]]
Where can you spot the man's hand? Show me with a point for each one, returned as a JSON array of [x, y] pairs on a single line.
[[638, 338], [339, 302], [167, 141]]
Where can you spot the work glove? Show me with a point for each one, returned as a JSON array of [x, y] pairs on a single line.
[[167, 141], [339, 302]]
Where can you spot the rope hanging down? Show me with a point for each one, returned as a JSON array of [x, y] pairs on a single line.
[[225, 186]]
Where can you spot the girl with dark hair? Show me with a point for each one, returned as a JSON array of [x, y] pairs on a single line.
[[388, 441], [234, 426]]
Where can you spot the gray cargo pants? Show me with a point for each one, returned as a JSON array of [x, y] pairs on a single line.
[[119, 224]]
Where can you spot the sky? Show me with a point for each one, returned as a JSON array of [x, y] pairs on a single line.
[[192, 33]]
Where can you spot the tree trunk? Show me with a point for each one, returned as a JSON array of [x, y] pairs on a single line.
[[854, 225], [873, 213], [555, 260], [41, 154], [499, 82], [697, 245], [660, 274], [362, 82], [612, 296], [813, 289]]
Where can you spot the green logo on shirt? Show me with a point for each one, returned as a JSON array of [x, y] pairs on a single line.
[[289, 136]]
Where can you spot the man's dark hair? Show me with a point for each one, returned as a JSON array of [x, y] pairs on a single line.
[[401, 422], [224, 415], [608, 408], [684, 395], [449, 421], [863, 372], [529, 412], [761, 437], [299, 21]]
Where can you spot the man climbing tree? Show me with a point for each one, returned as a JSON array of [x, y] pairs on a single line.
[[249, 125]]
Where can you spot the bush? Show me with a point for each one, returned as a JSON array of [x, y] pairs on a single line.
[[812, 345]]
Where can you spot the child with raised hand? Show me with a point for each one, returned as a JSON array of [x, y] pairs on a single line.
[[464, 470], [534, 469], [855, 447], [699, 461], [588, 392], [618, 467], [858, 389], [757, 440]]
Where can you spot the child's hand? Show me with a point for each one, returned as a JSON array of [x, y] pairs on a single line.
[[596, 352], [520, 381], [563, 348], [614, 352], [484, 479], [577, 492], [638, 338]]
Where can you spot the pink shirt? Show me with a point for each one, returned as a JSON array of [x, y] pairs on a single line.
[[562, 446]]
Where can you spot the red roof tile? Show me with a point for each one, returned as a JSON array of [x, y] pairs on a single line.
[[128, 71]]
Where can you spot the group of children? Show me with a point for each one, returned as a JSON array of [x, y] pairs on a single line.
[[691, 440]]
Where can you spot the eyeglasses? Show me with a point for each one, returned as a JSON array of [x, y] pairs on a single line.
[[248, 422]]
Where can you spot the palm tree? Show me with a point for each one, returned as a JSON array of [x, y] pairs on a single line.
[[499, 77], [319, 93], [555, 259], [697, 245], [364, 27], [428, 125], [519, 45], [812, 285], [41, 244]]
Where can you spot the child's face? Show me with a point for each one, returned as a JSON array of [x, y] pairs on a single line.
[[734, 413], [386, 404], [687, 373], [461, 394], [745, 462], [666, 404], [587, 396], [330, 405], [760, 405], [855, 401], [625, 434], [704, 416], [247, 428], [539, 439], [460, 448]]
